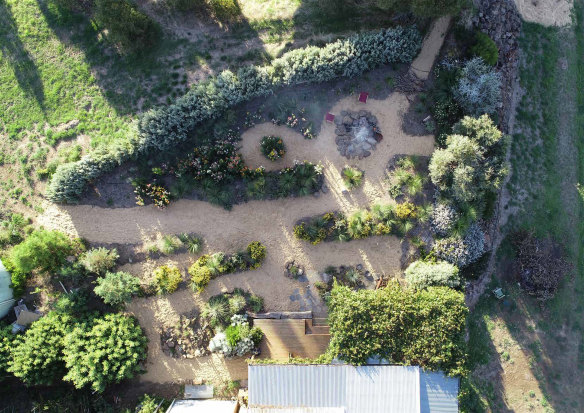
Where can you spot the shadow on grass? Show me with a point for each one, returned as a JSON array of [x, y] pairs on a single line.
[[13, 50], [133, 83]]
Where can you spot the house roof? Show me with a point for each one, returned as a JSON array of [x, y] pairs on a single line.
[[356, 389], [6, 299]]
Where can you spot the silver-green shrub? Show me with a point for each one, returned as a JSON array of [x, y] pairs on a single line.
[[462, 251], [443, 219], [421, 274], [479, 88], [163, 128]]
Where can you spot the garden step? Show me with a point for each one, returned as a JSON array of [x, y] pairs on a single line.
[[319, 321]]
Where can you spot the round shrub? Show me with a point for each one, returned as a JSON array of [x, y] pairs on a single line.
[[257, 253], [7, 341], [103, 351], [420, 274], [479, 88], [167, 278], [485, 48], [444, 219], [117, 287], [216, 311], [200, 274], [43, 250], [462, 251], [237, 303], [37, 357], [352, 177], [99, 260], [272, 147]]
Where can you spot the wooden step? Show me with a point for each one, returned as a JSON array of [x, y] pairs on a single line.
[[312, 329], [319, 322]]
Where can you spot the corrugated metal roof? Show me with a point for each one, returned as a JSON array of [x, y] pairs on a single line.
[[438, 393], [293, 410], [358, 389]]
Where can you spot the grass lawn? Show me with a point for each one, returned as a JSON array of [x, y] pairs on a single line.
[[528, 357]]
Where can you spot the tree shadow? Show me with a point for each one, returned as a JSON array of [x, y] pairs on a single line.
[[134, 83], [22, 63]]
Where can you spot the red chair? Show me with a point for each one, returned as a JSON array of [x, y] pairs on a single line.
[[329, 117], [363, 97]]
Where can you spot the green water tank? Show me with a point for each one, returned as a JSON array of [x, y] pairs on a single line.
[[6, 297]]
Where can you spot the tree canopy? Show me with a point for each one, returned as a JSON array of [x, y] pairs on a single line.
[[104, 350], [423, 327]]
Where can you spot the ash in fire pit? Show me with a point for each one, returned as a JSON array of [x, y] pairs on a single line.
[[357, 134]]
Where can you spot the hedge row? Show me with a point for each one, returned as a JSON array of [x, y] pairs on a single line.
[[165, 127]]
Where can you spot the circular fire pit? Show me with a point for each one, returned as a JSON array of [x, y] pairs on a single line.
[[357, 134]]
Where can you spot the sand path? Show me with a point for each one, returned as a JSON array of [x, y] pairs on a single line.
[[546, 12], [270, 222]]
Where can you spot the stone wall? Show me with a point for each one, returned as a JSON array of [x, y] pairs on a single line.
[[501, 21]]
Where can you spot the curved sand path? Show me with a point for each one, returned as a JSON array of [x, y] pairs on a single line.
[[270, 222]]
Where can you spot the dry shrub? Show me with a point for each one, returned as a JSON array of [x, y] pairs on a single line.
[[539, 264]]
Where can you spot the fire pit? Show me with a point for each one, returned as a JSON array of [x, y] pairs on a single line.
[[357, 134]]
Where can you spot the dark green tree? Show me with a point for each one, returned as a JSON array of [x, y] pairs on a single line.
[[104, 350], [37, 357]]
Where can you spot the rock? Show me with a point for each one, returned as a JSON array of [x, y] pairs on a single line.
[[345, 192], [359, 267], [324, 189], [366, 154], [363, 113], [347, 120], [170, 343], [316, 194], [326, 278], [365, 146], [344, 113]]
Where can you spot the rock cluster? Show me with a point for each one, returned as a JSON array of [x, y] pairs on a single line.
[[357, 134], [501, 21], [187, 340], [294, 270]]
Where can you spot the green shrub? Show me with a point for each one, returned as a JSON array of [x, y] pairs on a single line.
[[104, 350], [170, 244], [424, 327], [352, 177], [117, 287], [37, 357], [216, 311], [192, 243], [126, 25], [7, 341], [473, 163], [43, 250], [485, 48], [99, 260], [167, 279], [256, 303], [224, 10], [232, 333], [73, 303], [13, 230], [257, 253], [148, 404], [237, 303], [163, 128], [200, 273], [421, 274], [272, 147]]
